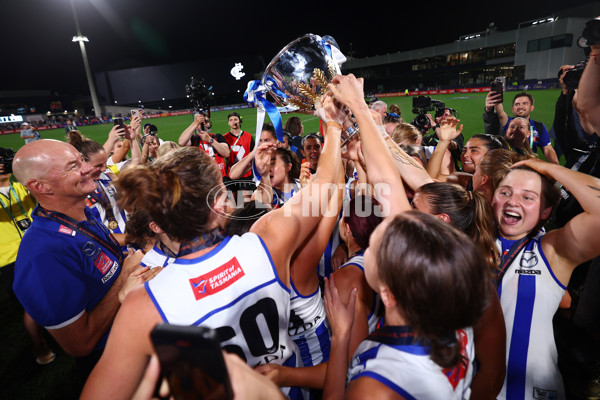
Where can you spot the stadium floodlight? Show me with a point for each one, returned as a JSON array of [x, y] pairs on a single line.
[[79, 38]]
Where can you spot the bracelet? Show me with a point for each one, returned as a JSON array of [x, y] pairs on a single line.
[[335, 124], [435, 126]]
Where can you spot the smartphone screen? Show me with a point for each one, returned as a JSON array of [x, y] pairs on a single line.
[[191, 359]]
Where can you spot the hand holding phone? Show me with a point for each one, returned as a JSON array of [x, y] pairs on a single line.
[[191, 360], [498, 88], [135, 113]]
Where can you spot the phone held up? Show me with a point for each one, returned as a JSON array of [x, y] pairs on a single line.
[[191, 360], [135, 113], [119, 122], [497, 86]]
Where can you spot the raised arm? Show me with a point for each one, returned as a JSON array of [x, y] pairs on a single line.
[[578, 240], [186, 135], [589, 87], [238, 169], [446, 133], [381, 168], [285, 229]]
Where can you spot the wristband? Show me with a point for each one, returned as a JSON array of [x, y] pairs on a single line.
[[335, 124], [435, 126]]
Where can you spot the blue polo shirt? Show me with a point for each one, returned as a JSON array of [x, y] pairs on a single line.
[[60, 273]]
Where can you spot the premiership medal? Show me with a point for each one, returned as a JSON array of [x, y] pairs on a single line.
[[112, 225]]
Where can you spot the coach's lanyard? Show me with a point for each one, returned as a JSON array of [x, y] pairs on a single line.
[[7, 207], [112, 245]]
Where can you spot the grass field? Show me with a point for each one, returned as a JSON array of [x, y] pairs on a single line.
[[469, 107], [22, 378]]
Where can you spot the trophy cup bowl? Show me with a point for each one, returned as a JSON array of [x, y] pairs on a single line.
[[297, 77]]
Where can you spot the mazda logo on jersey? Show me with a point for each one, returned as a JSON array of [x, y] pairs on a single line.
[[217, 279], [529, 259]]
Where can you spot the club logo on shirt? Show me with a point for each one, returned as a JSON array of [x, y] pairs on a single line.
[[103, 263], [528, 261], [217, 279], [542, 394]]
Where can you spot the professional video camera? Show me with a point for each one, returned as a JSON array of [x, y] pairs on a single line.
[[589, 36], [6, 159], [421, 106]]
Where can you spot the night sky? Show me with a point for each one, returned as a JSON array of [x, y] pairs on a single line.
[[39, 55]]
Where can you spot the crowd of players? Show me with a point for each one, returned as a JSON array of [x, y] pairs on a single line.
[[388, 265]]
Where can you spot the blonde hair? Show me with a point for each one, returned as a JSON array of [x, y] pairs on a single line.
[[166, 147]]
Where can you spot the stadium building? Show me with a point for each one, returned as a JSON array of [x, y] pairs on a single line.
[[531, 53]]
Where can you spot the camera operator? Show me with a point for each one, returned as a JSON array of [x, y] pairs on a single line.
[[214, 144], [455, 146]]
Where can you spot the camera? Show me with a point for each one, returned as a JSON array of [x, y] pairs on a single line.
[[572, 76], [199, 94], [6, 159], [421, 106]]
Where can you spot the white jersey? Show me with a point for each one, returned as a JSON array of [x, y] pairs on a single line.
[[309, 327], [235, 289], [358, 260], [107, 194], [532, 371], [155, 257], [407, 369]]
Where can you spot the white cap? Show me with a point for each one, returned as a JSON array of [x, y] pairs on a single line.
[[25, 124]]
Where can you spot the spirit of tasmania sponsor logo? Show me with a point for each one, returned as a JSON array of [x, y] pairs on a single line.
[[217, 279]]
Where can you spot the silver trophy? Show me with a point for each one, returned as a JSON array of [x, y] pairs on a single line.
[[298, 76]]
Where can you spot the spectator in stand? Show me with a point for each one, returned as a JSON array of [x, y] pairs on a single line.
[[523, 106], [214, 144], [29, 133]]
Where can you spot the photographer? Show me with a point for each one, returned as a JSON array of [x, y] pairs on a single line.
[[214, 144]]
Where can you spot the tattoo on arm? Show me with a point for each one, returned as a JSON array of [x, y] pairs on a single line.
[[594, 188], [404, 158]]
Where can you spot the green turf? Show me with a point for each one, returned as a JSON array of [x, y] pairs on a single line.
[[469, 106]]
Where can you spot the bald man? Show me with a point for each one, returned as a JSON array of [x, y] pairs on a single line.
[[70, 274]]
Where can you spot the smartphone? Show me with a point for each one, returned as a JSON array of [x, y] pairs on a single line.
[[498, 87], [135, 113], [191, 360], [119, 122]]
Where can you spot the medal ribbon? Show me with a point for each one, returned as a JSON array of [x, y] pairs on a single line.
[[201, 242]]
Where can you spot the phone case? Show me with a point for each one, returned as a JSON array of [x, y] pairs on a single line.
[[191, 360]]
